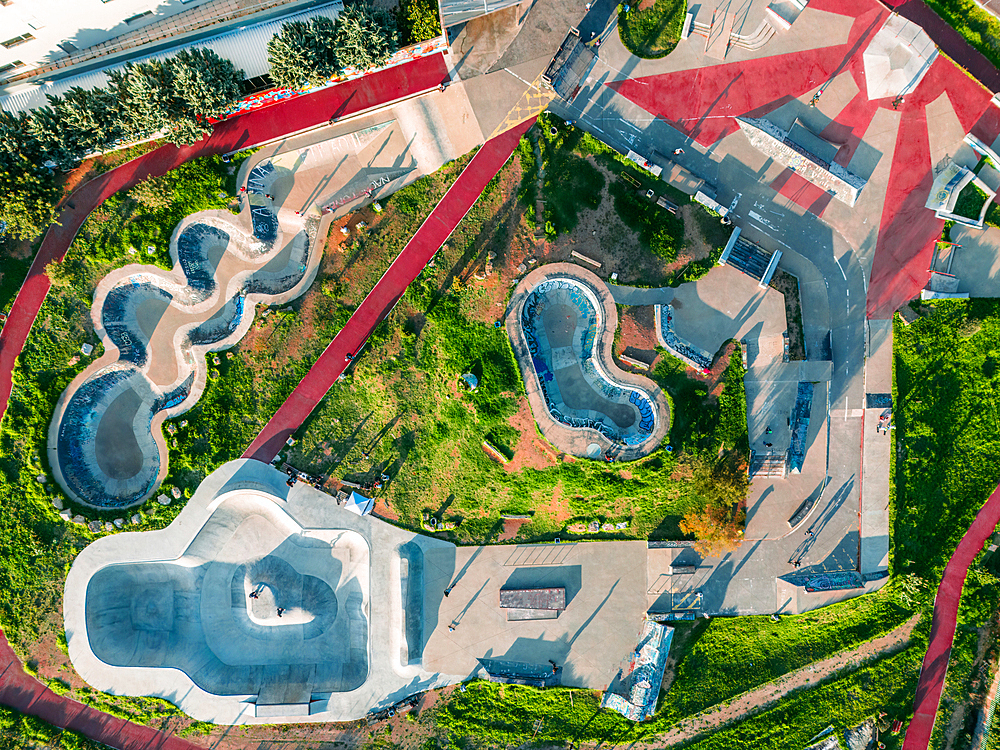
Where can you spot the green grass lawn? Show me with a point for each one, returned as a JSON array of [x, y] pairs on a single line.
[[970, 202], [977, 27], [947, 462], [839, 703], [947, 369], [733, 655], [653, 32]]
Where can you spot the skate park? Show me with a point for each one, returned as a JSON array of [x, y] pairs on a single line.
[[561, 322], [158, 327]]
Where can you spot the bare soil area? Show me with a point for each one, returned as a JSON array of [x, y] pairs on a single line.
[[602, 236], [788, 285]]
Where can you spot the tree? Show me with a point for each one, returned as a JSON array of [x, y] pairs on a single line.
[[28, 205], [723, 483], [366, 36], [144, 91], [716, 529], [203, 85], [93, 116], [418, 21], [305, 54], [302, 55]]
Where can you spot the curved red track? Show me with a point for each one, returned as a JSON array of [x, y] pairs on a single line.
[[258, 126], [935, 666], [24, 693], [386, 293]]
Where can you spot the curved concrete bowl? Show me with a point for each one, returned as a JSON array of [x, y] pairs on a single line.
[[169, 612], [562, 321]]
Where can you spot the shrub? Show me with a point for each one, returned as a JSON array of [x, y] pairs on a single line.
[[418, 21], [653, 32]]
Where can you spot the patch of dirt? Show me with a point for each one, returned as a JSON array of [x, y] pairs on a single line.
[[713, 379], [511, 527], [604, 237], [788, 285], [558, 507], [531, 451], [383, 510], [637, 334]]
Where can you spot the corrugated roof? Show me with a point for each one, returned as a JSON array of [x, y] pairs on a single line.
[[246, 47], [459, 11]]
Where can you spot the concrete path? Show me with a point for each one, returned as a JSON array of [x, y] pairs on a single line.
[[877, 448], [633, 295], [24, 693], [257, 127], [949, 592], [349, 341], [762, 698]]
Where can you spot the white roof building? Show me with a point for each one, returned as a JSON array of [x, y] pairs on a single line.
[[42, 31], [245, 45]]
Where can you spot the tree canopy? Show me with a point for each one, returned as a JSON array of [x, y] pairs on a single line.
[[418, 21], [177, 95], [308, 53], [30, 195]]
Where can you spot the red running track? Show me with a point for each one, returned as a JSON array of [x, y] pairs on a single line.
[[935, 666], [24, 693], [383, 297], [258, 126]]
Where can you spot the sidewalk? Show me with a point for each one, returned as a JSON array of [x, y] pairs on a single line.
[[259, 126], [876, 450], [386, 293]]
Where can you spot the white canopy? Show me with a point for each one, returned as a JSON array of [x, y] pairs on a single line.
[[359, 504]]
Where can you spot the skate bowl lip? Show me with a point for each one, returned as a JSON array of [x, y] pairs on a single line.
[[579, 440]]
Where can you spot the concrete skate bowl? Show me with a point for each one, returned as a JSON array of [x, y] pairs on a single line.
[[157, 327], [563, 333], [196, 615]]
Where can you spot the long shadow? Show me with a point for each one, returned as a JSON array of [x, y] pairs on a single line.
[[458, 618], [693, 134], [461, 573], [594, 613]]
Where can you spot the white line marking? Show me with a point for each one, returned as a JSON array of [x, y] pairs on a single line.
[[840, 267]]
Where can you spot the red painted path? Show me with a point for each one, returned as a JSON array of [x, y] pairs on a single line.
[[24, 693], [383, 297], [935, 666], [258, 126]]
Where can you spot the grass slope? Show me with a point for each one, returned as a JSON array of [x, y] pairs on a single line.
[[654, 31]]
